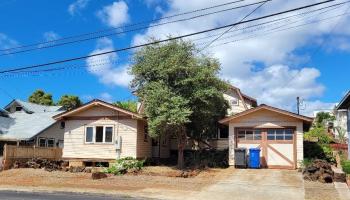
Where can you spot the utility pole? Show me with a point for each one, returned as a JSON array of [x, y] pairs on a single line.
[[298, 104]]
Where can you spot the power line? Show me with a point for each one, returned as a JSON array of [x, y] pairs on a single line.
[[230, 28], [334, 27], [282, 19], [165, 40], [277, 29], [126, 26], [106, 61], [128, 31]]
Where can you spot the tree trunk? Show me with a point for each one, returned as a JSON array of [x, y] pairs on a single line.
[[181, 142]]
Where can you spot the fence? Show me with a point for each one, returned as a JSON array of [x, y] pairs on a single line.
[[13, 152]]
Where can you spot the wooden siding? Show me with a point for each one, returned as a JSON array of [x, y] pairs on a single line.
[[231, 94], [144, 147], [55, 131], [267, 119], [74, 140]]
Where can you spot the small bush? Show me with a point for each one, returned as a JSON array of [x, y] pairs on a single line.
[[122, 166], [314, 150], [306, 162], [206, 158], [320, 134], [346, 166]]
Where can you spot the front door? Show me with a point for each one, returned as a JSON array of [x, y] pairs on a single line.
[[277, 145]]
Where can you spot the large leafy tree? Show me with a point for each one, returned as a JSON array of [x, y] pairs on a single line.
[[128, 105], [42, 98], [181, 91], [69, 102]]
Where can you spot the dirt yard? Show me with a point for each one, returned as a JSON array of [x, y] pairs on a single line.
[[161, 183], [151, 180]]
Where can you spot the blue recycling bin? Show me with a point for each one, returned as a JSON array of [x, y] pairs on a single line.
[[254, 158]]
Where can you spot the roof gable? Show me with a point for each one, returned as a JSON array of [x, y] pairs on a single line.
[[94, 103], [269, 108], [33, 107], [345, 102]]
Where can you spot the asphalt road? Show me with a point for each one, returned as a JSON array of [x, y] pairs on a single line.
[[9, 195]]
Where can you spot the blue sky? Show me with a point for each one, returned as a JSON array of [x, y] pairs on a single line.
[[314, 59]]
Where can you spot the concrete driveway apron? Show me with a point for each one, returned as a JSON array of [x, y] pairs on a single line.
[[261, 184]]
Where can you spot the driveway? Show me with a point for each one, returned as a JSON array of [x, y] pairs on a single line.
[[262, 184]]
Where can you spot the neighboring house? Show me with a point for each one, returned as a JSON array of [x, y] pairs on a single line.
[[25, 123], [278, 133], [101, 132], [343, 117]]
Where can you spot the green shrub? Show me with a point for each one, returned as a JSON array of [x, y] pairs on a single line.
[[306, 162], [320, 134], [123, 165], [206, 158], [346, 166], [315, 150]]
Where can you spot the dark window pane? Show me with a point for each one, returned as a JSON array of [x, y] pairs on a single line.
[[257, 135], [42, 142], [289, 134], [249, 135], [99, 133], [271, 134], [51, 143], [224, 132], [109, 134], [241, 135], [279, 134], [89, 134]]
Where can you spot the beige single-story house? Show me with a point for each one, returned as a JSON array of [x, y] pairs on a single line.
[[278, 133], [102, 132]]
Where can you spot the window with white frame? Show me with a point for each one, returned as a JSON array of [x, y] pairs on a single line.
[[249, 135], [99, 134], [51, 142], [42, 142], [280, 134]]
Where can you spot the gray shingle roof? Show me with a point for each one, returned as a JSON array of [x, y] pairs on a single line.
[[32, 107], [25, 125]]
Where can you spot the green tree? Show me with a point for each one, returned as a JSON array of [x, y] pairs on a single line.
[[42, 98], [128, 105], [322, 118], [181, 91], [69, 102]]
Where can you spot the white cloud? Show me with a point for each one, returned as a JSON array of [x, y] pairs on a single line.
[[7, 42], [105, 96], [108, 72], [50, 35], [276, 53], [77, 6], [114, 15]]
